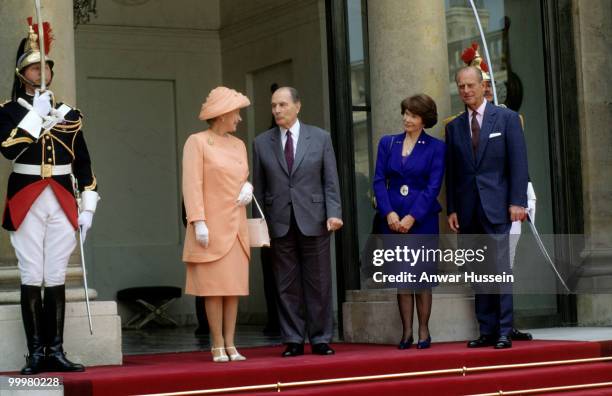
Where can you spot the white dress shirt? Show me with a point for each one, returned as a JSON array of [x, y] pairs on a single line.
[[295, 135]]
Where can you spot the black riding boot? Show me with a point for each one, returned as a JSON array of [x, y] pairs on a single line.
[[31, 313], [54, 309]]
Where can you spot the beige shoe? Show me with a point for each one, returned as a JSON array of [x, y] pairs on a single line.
[[219, 355], [234, 355]]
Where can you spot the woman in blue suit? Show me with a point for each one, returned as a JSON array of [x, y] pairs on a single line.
[[407, 181]]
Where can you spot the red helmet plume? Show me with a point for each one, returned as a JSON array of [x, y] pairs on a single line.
[[47, 31]]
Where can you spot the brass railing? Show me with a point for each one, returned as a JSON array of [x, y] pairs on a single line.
[[280, 386], [534, 391]]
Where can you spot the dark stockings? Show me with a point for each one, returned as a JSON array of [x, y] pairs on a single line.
[[406, 304]]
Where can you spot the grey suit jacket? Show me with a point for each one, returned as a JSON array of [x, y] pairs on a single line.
[[311, 188]]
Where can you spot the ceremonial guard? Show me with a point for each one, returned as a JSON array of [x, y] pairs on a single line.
[[51, 169]]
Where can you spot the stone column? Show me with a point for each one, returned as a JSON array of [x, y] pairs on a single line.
[[13, 29], [408, 55], [593, 41]]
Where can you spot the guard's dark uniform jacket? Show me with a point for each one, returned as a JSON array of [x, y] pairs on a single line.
[[64, 144]]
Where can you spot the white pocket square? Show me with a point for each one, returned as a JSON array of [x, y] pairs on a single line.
[[496, 134]]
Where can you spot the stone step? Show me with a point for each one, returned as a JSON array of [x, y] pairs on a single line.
[[73, 294], [101, 348], [372, 316], [10, 278]]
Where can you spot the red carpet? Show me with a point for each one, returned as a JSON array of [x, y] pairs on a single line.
[[194, 370]]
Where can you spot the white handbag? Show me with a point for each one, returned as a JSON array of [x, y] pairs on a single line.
[[258, 229]]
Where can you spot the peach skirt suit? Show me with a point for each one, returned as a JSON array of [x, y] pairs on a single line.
[[214, 170]]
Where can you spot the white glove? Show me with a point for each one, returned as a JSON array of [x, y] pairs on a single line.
[[201, 232], [246, 194], [531, 202], [85, 220], [42, 103]]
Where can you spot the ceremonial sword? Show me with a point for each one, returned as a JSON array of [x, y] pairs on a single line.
[[85, 280], [75, 187], [41, 47]]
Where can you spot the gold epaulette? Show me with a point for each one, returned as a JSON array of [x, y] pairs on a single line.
[[449, 119], [70, 126]]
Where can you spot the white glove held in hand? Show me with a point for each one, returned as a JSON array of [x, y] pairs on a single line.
[[201, 232], [42, 103], [246, 194], [531, 202], [85, 220]]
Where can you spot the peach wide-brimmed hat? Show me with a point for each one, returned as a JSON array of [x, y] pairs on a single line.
[[222, 100]]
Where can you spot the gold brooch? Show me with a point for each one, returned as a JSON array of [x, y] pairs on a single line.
[[211, 141]]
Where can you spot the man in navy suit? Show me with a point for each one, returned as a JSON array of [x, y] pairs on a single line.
[[486, 184]]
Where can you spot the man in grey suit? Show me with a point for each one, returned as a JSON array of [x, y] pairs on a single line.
[[295, 176]]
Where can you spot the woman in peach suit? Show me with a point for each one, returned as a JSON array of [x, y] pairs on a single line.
[[216, 191]]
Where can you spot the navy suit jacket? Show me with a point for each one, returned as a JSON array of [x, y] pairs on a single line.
[[422, 172], [496, 175]]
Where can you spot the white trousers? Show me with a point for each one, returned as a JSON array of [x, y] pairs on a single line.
[[44, 242]]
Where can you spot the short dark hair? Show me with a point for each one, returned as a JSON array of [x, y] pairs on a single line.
[[295, 95], [423, 106], [473, 68]]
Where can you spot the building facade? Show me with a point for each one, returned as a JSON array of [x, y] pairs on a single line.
[[140, 70]]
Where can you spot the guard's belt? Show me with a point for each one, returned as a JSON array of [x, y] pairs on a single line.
[[42, 170]]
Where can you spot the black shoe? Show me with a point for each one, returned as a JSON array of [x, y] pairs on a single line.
[[406, 344], [54, 308], [426, 343], [32, 316], [482, 341], [503, 342], [322, 349], [293, 349], [518, 335]]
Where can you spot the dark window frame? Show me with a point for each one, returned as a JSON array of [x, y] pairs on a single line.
[[562, 103]]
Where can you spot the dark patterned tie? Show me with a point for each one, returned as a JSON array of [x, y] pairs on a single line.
[[475, 132], [289, 151]]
